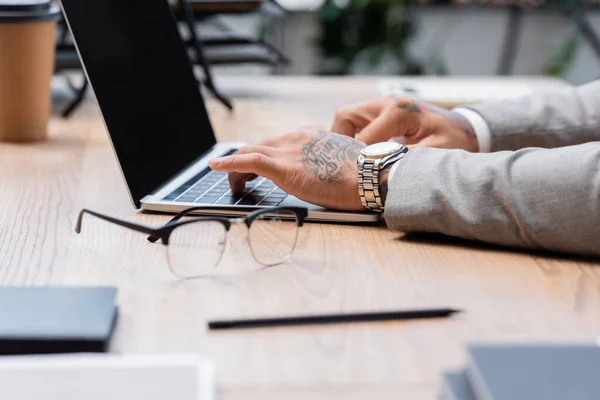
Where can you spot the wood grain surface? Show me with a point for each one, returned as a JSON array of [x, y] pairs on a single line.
[[507, 296]]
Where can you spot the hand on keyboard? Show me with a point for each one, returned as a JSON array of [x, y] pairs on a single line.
[[312, 164]]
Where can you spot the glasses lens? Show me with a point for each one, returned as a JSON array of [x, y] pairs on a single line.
[[196, 248], [273, 236]]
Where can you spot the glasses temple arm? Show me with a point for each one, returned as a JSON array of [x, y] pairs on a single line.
[[125, 224]]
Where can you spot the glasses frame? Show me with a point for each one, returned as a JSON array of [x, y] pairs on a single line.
[[164, 232]]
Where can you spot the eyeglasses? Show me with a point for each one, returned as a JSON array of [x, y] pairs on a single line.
[[195, 246]]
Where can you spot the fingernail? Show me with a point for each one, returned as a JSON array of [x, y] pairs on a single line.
[[214, 163]]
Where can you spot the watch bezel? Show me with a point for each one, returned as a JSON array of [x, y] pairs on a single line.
[[398, 148]]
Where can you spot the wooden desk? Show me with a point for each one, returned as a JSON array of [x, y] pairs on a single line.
[[507, 296]]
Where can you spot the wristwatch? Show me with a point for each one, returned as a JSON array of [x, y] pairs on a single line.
[[371, 161]]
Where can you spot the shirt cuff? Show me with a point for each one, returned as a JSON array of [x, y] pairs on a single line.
[[481, 128], [394, 167]]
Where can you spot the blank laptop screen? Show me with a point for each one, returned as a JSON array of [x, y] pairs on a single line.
[[144, 84]]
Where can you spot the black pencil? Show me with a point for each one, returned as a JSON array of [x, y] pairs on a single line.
[[331, 318]]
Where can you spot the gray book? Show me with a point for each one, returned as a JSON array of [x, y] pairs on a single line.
[[534, 372], [456, 386], [61, 319]]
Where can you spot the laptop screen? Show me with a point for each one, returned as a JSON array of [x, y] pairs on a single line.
[[141, 75]]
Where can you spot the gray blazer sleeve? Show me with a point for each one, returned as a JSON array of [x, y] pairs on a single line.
[[531, 198], [544, 120]]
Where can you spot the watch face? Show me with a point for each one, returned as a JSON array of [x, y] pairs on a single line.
[[381, 149]]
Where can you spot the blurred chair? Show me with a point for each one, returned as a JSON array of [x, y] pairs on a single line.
[[575, 9], [227, 47], [68, 60], [222, 48]]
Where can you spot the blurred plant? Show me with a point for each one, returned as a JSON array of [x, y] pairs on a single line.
[[366, 35], [563, 57], [372, 36]]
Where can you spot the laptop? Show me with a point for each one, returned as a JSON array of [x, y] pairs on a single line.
[[138, 68]]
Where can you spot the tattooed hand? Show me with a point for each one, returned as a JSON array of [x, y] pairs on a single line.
[[312, 164], [417, 124]]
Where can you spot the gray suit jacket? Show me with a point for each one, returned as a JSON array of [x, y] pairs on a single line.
[[538, 188]]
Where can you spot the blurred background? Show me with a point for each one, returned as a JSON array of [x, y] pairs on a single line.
[[558, 38]]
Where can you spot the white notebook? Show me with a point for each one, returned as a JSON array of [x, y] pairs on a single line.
[[451, 93], [106, 376]]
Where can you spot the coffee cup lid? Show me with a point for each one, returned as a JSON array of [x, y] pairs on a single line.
[[28, 11]]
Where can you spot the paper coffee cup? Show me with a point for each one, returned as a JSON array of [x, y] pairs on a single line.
[[27, 47]]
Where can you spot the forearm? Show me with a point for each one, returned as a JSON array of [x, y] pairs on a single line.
[[544, 120], [533, 198]]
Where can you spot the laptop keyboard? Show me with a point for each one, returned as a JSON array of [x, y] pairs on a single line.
[[213, 188]]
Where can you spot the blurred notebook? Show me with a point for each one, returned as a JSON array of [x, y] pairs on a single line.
[[107, 377], [456, 386], [41, 320], [452, 93], [534, 372]]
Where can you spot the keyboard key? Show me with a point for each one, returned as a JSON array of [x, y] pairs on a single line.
[[261, 192], [186, 199], [256, 194], [279, 190], [194, 191], [189, 195], [228, 200], [171, 196], [207, 199], [273, 195], [269, 203], [273, 200], [217, 191], [192, 196], [249, 200]]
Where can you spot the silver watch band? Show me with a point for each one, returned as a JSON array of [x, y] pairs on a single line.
[[368, 180], [368, 185]]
